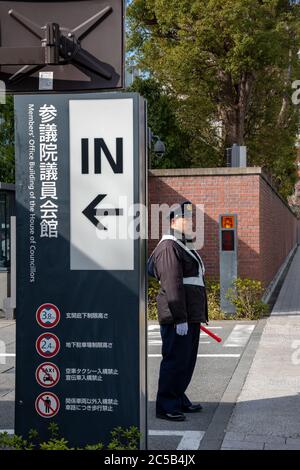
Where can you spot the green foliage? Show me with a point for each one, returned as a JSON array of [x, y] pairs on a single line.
[[246, 296], [153, 288], [124, 439], [163, 120], [213, 300], [53, 429], [99, 446], [226, 68], [7, 154], [55, 442], [12, 442], [121, 439]]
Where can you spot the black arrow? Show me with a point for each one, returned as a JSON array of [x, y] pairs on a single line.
[[90, 211]]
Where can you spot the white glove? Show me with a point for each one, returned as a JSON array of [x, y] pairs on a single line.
[[182, 329]]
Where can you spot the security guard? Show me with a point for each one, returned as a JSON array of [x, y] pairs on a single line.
[[182, 306]]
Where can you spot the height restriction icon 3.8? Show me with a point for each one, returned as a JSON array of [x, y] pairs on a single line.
[[47, 345], [48, 315], [47, 405]]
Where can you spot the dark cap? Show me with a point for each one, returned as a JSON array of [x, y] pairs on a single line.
[[185, 209]]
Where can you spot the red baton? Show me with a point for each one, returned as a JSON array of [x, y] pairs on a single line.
[[217, 338]]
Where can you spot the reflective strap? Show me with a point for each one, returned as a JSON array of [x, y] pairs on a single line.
[[196, 256], [194, 281]]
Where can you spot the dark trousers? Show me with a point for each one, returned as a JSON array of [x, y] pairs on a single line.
[[179, 355]]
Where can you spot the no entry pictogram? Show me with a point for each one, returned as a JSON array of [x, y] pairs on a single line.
[[47, 374], [47, 405]]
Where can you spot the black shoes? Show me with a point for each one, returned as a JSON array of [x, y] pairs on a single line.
[[179, 415], [175, 416], [192, 408]]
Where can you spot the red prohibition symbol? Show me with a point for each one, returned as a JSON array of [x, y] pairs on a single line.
[[47, 345], [48, 315], [47, 405], [47, 375]]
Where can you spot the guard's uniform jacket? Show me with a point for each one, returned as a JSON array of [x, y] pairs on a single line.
[[182, 295]]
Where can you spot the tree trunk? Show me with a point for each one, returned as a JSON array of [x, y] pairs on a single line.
[[234, 110], [286, 97]]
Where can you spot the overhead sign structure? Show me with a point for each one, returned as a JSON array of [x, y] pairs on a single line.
[[62, 46], [81, 256]]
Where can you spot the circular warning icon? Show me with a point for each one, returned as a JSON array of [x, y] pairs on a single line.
[[47, 345], [48, 315], [47, 374], [47, 405]]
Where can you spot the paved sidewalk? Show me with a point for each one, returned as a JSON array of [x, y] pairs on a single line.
[[267, 413]]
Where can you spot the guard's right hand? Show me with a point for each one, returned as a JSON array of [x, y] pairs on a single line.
[[182, 329]]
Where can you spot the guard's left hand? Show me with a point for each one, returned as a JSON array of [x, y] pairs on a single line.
[[182, 329]]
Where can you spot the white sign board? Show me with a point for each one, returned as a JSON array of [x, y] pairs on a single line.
[[101, 184]]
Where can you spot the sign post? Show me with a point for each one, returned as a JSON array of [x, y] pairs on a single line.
[[81, 252], [228, 258]]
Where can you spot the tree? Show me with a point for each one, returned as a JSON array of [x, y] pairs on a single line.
[[7, 154], [230, 65], [162, 120]]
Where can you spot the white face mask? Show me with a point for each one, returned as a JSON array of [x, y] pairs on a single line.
[[182, 224]]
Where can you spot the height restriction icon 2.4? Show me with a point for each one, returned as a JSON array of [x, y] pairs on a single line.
[[48, 315], [47, 374], [47, 345], [47, 405]]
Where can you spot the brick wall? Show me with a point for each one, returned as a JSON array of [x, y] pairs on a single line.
[[278, 231], [263, 241]]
